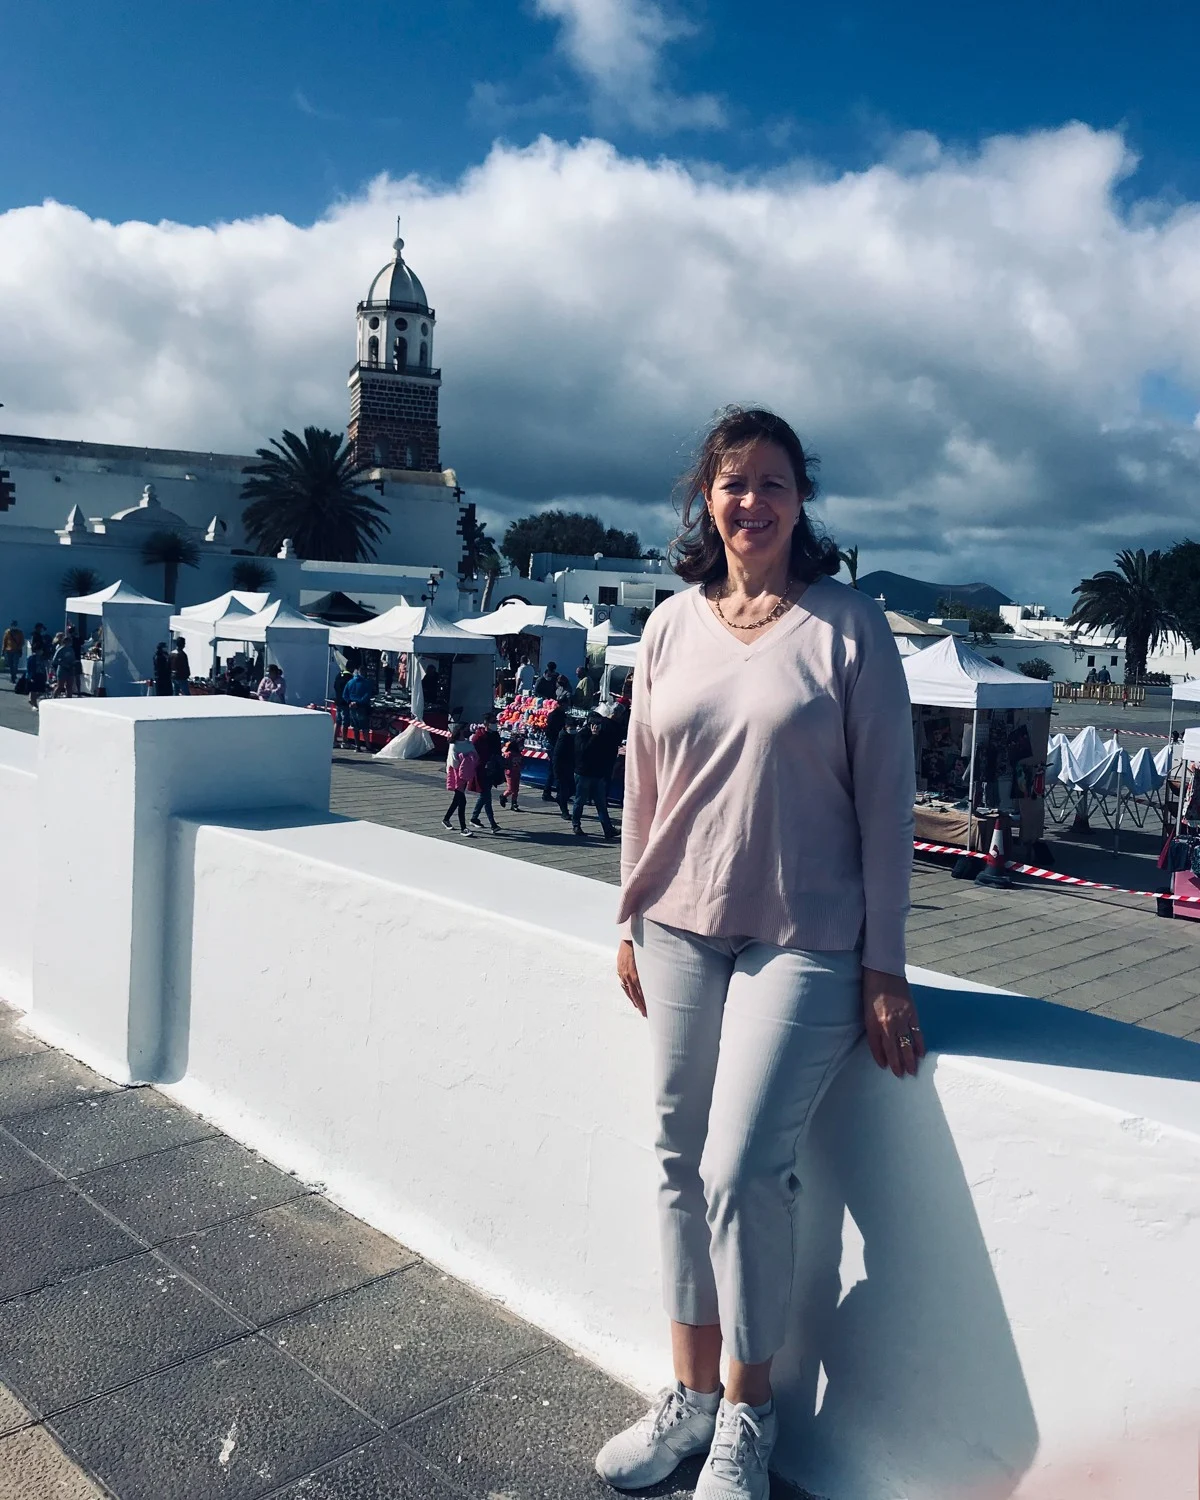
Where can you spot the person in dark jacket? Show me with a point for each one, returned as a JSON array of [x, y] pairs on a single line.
[[556, 723], [357, 695], [593, 765], [547, 683], [181, 671], [341, 709], [162, 671], [489, 773], [564, 770]]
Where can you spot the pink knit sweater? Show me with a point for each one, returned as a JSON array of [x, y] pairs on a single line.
[[769, 781]]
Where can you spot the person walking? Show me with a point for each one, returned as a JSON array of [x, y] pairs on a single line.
[[461, 763], [585, 693], [514, 759], [341, 708], [489, 772], [62, 664], [766, 853], [357, 697], [592, 768], [35, 672], [181, 671], [564, 771], [525, 678], [556, 723], [13, 648], [273, 687], [162, 671]]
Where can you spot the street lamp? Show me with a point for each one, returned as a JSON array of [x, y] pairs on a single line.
[[432, 583]]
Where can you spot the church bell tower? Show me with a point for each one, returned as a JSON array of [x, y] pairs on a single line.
[[393, 384]]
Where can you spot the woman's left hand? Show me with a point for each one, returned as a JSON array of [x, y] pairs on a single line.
[[893, 1030]]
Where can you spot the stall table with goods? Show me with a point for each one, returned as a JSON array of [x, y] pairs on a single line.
[[980, 735]]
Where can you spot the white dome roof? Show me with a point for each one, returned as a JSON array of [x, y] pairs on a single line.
[[397, 284]]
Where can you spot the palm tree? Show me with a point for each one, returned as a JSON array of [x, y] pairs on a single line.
[[252, 576], [1129, 601], [479, 553], [170, 551], [75, 583], [308, 489], [850, 561]]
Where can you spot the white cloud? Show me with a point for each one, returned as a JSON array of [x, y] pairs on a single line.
[[963, 342], [617, 46]]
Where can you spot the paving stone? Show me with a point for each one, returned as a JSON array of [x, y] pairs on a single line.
[[189, 1188], [238, 1423], [105, 1328], [534, 1430], [402, 1344], [42, 1079], [19, 1170], [1170, 1023], [277, 1262], [93, 1132], [384, 1470], [1129, 1008], [12, 1414], [13, 1041], [34, 1467], [49, 1233]]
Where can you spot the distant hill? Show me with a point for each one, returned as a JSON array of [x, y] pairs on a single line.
[[912, 597]]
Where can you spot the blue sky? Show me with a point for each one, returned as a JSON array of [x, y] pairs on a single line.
[[214, 110], [958, 245]]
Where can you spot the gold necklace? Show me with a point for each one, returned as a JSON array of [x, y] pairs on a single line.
[[784, 601]]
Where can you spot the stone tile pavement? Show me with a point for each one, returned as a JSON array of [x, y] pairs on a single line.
[[180, 1320]]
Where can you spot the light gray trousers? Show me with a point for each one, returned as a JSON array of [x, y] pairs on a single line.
[[746, 1037]]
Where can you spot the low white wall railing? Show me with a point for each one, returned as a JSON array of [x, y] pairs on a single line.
[[996, 1262]]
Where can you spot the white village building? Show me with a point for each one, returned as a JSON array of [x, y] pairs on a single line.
[[69, 505]]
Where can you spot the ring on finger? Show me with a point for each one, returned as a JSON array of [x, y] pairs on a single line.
[[906, 1041]]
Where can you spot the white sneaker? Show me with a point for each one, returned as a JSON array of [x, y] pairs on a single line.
[[672, 1430], [736, 1466]]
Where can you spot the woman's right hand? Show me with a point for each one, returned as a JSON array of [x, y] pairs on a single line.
[[628, 975]]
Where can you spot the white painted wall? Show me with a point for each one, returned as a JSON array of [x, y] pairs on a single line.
[[18, 846], [997, 1262]]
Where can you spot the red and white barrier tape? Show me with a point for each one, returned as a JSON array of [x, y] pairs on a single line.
[[1052, 875], [1134, 734]]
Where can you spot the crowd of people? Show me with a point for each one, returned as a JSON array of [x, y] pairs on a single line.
[[43, 664]]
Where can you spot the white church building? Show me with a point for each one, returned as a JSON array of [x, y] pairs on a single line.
[[68, 505]]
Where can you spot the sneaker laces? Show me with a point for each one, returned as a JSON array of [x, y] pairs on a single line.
[[734, 1443], [669, 1409]]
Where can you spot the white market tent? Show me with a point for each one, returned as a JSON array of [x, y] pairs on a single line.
[[607, 634], [617, 657], [417, 631], [202, 626], [132, 625], [562, 641], [298, 645], [951, 675]]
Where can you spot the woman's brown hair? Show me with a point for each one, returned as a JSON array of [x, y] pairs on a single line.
[[698, 554]]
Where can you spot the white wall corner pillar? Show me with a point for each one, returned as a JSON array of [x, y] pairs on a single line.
[[112, 774]]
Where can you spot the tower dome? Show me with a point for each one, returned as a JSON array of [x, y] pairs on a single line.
[[397, 285]]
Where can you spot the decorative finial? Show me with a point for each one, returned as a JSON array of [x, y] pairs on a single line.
[[397, 243]]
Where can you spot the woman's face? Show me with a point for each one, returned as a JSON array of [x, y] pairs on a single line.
[[755, 504]]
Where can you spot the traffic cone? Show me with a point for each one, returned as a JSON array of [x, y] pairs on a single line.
[[993, 872]]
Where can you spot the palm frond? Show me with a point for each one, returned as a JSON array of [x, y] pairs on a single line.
[[309, 489]]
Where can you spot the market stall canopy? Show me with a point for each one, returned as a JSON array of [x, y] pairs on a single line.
[[1186, 692], [298, 645], [608, 634], [622, 656], [204, 624], [951, 675], [116, 593], [336, 608], [275, 621], [231, 602], [412, 627], [520, 619]]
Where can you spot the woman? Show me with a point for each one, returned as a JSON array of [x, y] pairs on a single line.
[[461, 764], [489, 771], [767, 845], [273, 687], [63, 665], [35, 671], [162, 671]]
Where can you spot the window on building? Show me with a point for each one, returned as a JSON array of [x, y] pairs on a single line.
[[1091, 661], [424, 356], [374, 323], [424, 330], [408, 457], [373, 351], [661, 594], [1112, 661], [607, 595], [400, 350], [401, 324]]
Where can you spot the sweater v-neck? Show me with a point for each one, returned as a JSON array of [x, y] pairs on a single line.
[[749, 649]]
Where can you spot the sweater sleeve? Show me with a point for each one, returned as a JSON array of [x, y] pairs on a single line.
[[641, 783], [880, 746]]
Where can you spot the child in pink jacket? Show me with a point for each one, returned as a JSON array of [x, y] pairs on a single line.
[[513, 756], [461, 765]]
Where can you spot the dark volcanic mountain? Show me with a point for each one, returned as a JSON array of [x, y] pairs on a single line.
[[913, 597]]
